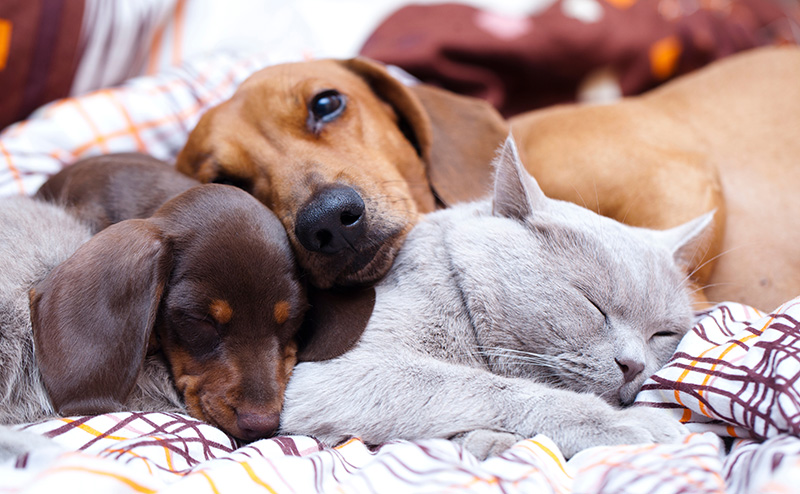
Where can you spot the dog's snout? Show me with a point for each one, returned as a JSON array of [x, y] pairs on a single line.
[[254, 426], [331, 221]]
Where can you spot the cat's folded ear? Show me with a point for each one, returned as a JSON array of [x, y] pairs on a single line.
[[516, 192], [690, 241]]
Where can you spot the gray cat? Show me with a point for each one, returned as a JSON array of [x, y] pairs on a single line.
[[506, 318]]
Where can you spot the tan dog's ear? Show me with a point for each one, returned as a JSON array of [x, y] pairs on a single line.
[[93, 314], [334, 322], [456, 136], [467, 133]]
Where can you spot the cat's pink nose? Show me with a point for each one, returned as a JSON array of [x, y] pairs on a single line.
[[630, 368]]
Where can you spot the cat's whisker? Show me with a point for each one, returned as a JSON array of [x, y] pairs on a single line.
[[710, 285], [519, 355], [580, 196], [712, 259], [630, 205], [516, 358], [519, 359], [509, 350], [596, 196]]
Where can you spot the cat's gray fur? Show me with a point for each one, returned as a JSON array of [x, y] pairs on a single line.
[[506, 318], [36, 237]]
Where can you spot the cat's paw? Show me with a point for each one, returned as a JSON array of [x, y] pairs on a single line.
[[483, 443], [635, 425], [658, 424], [15, 442]]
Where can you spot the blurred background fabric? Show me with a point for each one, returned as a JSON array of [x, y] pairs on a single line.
[[517, 54], [51, 49], [590, 50]]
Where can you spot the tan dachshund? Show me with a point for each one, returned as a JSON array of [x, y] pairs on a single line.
[[347, 157], [726, 137]]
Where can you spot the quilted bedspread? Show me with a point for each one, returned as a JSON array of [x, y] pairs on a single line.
[[733, 380]]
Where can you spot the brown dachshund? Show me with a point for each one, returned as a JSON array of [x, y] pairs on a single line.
[[103, 190], [347, 157], [206, 286]]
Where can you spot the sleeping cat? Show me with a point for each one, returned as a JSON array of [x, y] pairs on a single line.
[[506, 318]]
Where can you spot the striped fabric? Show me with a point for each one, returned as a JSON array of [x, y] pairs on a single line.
[[736, 373], [733, 376]]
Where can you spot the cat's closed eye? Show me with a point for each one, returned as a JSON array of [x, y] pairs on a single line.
[[663, 334], [601, 311]]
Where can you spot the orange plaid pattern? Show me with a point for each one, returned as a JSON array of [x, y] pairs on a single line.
[[149, 114]]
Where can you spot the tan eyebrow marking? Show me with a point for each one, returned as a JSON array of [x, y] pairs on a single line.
[[220, 310], [281, 311]]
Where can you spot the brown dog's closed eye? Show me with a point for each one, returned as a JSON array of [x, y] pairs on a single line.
[[209, 281]]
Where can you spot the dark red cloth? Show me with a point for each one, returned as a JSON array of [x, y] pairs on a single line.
[[38, 53], [527, 62]]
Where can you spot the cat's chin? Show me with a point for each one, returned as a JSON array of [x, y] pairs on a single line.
[[627, 393]]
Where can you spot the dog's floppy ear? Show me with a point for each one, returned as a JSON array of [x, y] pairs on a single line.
[[93, 315], [334, 322], [455, 135]]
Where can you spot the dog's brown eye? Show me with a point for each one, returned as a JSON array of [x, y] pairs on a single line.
[[326, 106]]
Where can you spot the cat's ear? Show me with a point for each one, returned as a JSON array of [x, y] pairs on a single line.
[[689, 241], [516, 193]]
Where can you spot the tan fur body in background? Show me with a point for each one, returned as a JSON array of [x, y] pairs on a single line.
[[725, 137]]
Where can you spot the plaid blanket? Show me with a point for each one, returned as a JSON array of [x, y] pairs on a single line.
[[733, 380], [149, 114]]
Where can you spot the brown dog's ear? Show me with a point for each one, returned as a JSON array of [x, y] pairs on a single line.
[[456, 136], [334, 322], [93, 314]]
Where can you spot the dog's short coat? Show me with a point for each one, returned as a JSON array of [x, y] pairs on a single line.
[[106, 189], [724, 138], [195, 308], [347, 157], [302, 137]]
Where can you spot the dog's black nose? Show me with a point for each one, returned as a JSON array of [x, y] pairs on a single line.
[[331, 221], [254, 426]]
